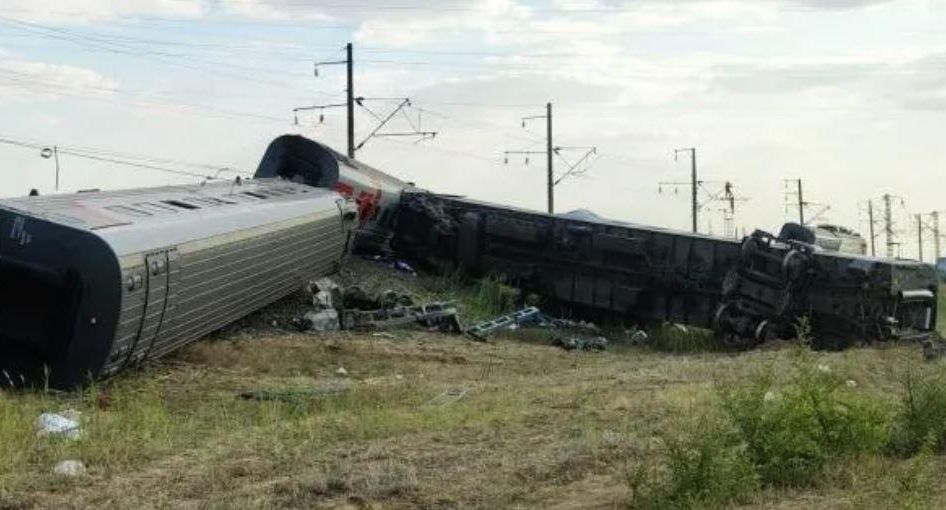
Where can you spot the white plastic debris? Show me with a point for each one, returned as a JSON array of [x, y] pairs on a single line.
[[851, 383], [65, 424], [341, 372], [70, 468], [825, 369], [768, 397], [323, 320], [638, 337]]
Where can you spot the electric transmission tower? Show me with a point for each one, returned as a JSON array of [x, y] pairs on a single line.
[[711, 191], [551, 152], [352, 101]]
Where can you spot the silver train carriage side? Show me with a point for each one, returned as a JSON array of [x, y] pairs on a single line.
[[91, 283], [376, 194]]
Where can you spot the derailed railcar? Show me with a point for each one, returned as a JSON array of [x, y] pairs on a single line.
[[91, 283], [376, 194], [745, 291], [649, 273]]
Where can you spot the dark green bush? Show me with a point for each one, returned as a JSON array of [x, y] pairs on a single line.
[[921, 417], [706, 466], [794, 431]]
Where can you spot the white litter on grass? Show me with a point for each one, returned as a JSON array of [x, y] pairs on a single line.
[[825, 369], [341, 371], [70, 468], [769, 397], [851, 383], [65, 424]]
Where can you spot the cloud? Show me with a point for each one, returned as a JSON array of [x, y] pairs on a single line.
[[91, 11], [517, 90], [27, 80], [276, 10], [834, 5]]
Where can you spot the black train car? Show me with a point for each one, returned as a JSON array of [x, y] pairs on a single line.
[[91, 283], [745, 291]]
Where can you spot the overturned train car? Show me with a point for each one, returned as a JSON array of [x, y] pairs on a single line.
[[96, 282], [745, 291]]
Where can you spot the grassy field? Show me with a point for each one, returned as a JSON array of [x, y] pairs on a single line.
[[424, 420]]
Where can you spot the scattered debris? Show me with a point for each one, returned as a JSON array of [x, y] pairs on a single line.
[[322, 320], [70, 468], [933, 349], [851, 383], [65, 424], [574, 343], [355, 298], [442, 316], [325, 293], [326, 389], [482, 330], [393, 263], [637, 337], [341, 372], [448, 397], [528, 317], [383, 334]]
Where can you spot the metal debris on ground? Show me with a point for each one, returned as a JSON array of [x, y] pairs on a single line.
[[448, 397], [393, 263], [575, 343], [355, 298], [325, 293], [526, 315], [322, 320], [637, 337], [65, 424], [69, 468], [442, 316], [933, 349], [326, 389]]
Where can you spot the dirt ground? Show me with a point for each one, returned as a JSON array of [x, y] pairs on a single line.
[[427, 421]]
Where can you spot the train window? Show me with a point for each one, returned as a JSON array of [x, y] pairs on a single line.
[[210, 201], [182, 205], [157, 208], [124, 209]]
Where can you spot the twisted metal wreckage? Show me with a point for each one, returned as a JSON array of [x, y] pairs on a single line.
[[96, 282]]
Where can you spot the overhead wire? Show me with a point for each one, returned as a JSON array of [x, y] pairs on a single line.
[[171, 59], [133, 162]]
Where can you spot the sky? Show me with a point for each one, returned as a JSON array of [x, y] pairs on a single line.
[[847, 95]]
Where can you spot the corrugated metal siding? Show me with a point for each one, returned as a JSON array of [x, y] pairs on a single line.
[[219, 284]]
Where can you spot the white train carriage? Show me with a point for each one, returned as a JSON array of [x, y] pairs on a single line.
[[96, 282]]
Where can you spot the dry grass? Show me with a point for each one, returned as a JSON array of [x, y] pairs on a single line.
[[537, 427]]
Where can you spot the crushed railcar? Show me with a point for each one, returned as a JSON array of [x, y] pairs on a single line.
[[746, 291], [375, 193], [96, 282]]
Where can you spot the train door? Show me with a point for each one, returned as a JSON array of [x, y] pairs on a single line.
[[158, 271]]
